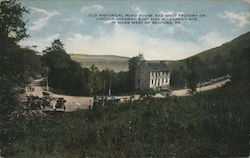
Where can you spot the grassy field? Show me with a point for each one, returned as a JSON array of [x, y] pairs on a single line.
[[210, 124]]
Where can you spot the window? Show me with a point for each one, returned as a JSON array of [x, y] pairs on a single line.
[[163, 80], [152, 82], [158, 82]]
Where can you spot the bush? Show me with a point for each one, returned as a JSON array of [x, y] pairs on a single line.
[[8, 97]]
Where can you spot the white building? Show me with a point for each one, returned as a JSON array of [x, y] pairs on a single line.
[[152, 75]]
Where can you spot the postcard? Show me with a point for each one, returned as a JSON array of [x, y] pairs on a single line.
[[124, 78]]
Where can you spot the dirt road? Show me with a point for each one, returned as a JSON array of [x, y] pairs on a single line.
[[72, 102], [79, 102], [184, 92]]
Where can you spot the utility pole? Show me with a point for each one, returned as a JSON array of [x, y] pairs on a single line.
[[47, 83], [47, 79], [110, 88], [110, 85], [103, 92]]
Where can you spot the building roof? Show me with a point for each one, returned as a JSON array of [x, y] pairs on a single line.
[[157, 66]]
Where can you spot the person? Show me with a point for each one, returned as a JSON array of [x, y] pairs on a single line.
[[53, 102], [90, 104]]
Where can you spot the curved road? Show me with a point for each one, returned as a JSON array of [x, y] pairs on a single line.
[[79, 102]]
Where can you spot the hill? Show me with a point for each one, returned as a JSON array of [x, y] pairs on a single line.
[[116, 63], [224, 52]]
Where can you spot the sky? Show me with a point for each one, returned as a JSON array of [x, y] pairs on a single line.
[[70, 21]]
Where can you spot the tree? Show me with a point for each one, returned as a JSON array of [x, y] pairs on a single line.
[[56, 45], [149, 92], [178, 78], [65, 75], [241, 64], [11, 23], [8, 97], [16, 64], [132, 65], [94, 79], [194, 67]]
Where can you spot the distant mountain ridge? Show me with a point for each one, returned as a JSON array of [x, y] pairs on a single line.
[[120, 63], [99, 56], [114, 62]]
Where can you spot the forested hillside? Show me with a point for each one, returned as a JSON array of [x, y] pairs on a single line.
[[212, 63]]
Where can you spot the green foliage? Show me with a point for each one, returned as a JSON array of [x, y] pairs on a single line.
[[119, 83], [64, 74], [132, 65], [116, 81], [213, 124], [194, 69], [215, 62], [17, 64], [11, 23], [148, 92], [8, 97], [178, 78], [240, 67], [99, 82]]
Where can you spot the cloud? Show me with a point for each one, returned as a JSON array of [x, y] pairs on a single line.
[[138, 10], [41, 22], [212, 39], [41, 43], [240, 19], [109, 21], [128, 42], [170, 12], [248, 1], [92, 8], [48, 13]]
